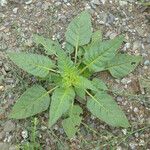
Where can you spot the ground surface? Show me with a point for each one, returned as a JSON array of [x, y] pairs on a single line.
[[19, 19]]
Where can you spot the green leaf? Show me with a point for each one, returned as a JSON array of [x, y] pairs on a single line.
[[33, 101], [65, 64], [80, 92], [83, 83], [99, 84], [79, 30], [37, 65], [101, 52], [105, 108], [72, 123], [69, 48], [97, 36], [123, 64], [50, 46], [62, 99]]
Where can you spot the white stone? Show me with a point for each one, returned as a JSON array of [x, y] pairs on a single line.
[[15, 10], [24, 134]]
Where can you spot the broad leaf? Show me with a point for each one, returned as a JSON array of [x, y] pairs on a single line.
[[50, 46], [37, 65], [33, 101], [65, 64], [99, 84], [69, 48], [84, 83], [72, 123], [62, 99], [80, 92], [123, 64], [101, 52], [96, 36], [105, 108], [79, 30]]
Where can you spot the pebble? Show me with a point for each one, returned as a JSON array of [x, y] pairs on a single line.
[[15, 10], [1, 88], [1, 63], [133, 145], [13, 147], [9, 126], [46, 5], [3, 2], [136, 110], [119, 99], [146, 62], [126, 46], [123, 3], [96, 2], [110, 18], [24, 134], [28, 2], [4, 146], [6, 68], [136, 45], [124, 131], [125, 81]]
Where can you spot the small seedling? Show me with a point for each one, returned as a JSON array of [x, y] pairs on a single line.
[[71, 74]]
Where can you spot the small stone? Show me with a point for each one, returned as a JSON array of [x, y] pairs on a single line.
[[24, 134], [28, 2], [56, 127], [43, 128], [46, 5], [123, 3], [9, 126], [136, 110], [9, 81], [1, 88], [110, 18], [136, 45], [96, 2], [124, 131], [133, 145], [113, 35], [4, 146], [6, 68], [1, 63], [125, 81], [29, 43], [126, 46], [15, 10], [13, 147], [119, 148], [119, 99], [3, 2], [142, 143], [146, 62]]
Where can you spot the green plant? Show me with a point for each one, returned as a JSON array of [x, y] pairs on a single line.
[[74, 78]]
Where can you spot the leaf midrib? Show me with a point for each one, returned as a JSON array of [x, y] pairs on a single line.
[[98, 57]]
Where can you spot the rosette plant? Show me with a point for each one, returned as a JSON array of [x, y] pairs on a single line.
[[71, 74]]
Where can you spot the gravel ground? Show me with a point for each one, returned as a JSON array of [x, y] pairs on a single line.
[[19, 19]]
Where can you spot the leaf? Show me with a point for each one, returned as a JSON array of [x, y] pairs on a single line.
[[62, 99], [69, 48], [101, 52], [123, 64], [80, 92], [97, 36], [105, 108], [72, 123], [37, 65], [33, 101], [65, 64], [50, 46], [83, 83], [99, 84], [79, 30]]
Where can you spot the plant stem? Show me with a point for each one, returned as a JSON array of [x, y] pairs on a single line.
[[83, 69], [52, 89], [76, 53], [55, 71]]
